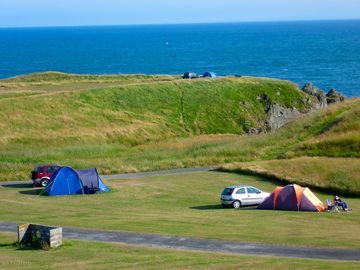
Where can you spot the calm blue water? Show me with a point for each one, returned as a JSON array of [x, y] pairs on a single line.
[[326, 53]]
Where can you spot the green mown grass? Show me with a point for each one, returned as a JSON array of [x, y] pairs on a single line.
[[185, 205], [95, 255]]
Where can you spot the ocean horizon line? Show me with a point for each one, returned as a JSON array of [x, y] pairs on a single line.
[[180, 23]]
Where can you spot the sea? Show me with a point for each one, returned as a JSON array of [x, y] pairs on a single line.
[[326, 53]]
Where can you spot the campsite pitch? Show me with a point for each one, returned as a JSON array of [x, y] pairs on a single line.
[[185, 205]]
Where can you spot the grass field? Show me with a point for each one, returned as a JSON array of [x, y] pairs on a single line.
[[94, 255], [185, 205]]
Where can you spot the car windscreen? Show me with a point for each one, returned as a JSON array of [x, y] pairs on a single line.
[[227, 191]]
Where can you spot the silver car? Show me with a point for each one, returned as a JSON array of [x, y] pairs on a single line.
[[238, 196]]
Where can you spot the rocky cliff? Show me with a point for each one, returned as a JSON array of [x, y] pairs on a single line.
[[278, 115]]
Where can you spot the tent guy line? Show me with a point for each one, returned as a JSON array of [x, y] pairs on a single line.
[[186, 243]]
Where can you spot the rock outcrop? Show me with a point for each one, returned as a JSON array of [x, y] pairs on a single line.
[[312, 90], [278, 116], [334, 96]]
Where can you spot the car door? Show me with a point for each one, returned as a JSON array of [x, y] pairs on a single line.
[[241, 195], [254, 196]]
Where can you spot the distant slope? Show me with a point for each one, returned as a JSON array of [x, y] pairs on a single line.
[[337, 175], [330, 136], [339, 136]]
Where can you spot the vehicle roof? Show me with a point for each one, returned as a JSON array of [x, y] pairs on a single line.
[[238, 186], [47, 165]]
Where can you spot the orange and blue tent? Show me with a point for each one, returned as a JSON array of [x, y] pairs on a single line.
[[292, 198]]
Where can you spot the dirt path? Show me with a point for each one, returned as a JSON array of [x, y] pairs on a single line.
[[185, 243]]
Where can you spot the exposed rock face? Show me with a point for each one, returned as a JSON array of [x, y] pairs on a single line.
[[312, 90], [334, 96], [255, 131], [323, 100], [278, 116]]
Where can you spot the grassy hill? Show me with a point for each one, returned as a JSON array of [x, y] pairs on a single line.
[[125, 123], [73, 121], [134, 114]]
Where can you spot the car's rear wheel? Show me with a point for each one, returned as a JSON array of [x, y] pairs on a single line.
[[236, 204], [44, 182]]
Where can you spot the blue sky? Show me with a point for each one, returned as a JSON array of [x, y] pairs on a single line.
[[15, 13]]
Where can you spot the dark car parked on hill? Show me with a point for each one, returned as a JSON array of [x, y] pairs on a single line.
[[42, 173], [190, 75]]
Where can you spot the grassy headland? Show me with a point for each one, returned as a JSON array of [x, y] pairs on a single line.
[[121, 123], [126, 123]]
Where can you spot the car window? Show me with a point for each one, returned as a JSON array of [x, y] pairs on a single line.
[[241, 191], [227, 191], [252, 190], [51, 169], [40, 169]]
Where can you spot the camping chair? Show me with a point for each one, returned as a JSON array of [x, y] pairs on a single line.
[[331, 207]]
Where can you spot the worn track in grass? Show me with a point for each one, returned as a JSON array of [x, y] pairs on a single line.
[[186, 243]]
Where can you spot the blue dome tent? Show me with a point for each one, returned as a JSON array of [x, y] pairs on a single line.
[[91, 181], [209, 75], [67, 181]]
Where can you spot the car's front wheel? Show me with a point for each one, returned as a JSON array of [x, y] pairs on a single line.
[[44, 182], [236, 204]]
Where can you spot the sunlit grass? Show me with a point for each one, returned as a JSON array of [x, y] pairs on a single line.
[[185, 205], [95, 255]]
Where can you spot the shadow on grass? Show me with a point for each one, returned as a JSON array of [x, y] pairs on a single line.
[[208, 207], [34, 192], [20, 185], [220, 207], [17, 246], [7, 245]]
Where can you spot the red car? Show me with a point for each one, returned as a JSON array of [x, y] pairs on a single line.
[[42, 173]]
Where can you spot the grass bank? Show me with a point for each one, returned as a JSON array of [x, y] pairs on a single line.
[[17, 159], [83, 120], [337, 175]]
